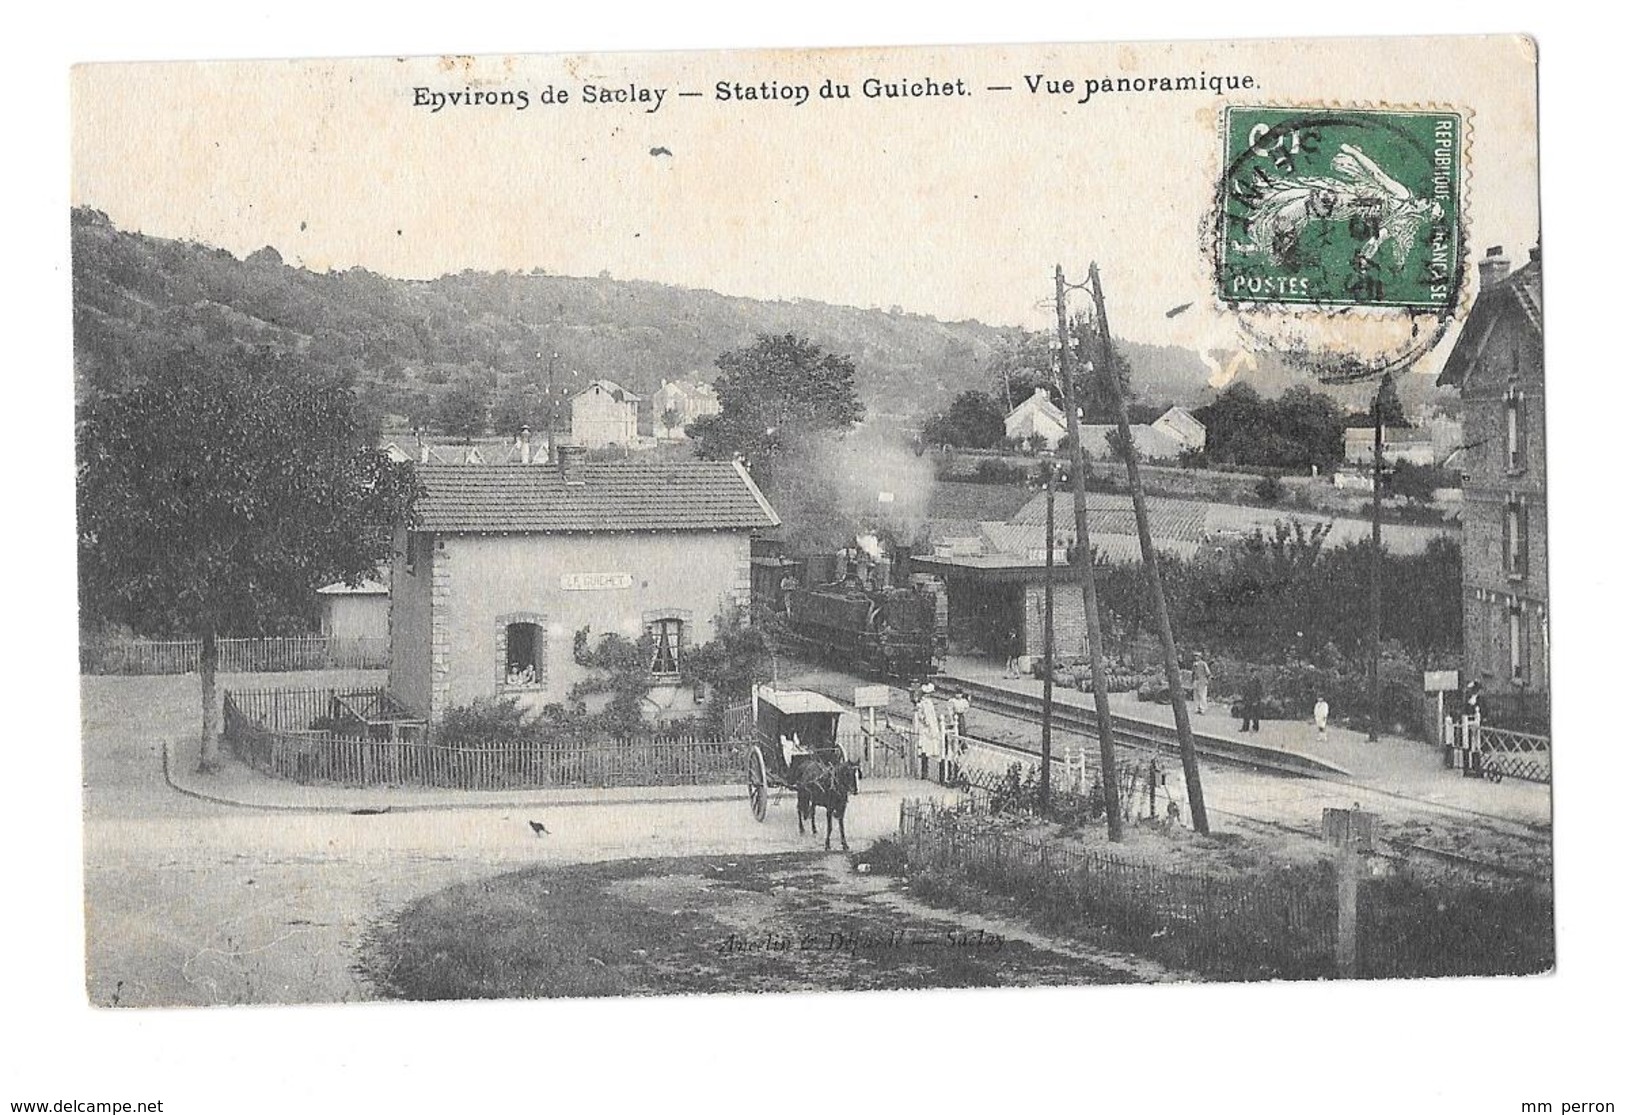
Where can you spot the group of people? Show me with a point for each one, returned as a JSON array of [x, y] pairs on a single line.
[[939, 732], [1250, 708]]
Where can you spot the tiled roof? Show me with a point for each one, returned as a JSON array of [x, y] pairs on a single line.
[[1172, 520], [1520, 293], [610, 496], [610, 388]]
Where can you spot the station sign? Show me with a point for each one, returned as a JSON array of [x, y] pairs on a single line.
[[871, 696], [1440, 681], [594, 582]]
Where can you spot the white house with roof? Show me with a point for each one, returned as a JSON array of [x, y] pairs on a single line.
[[1399, 443], [1184, 427], [681, 401], [505, 565], [1036, 417], [603, 414]]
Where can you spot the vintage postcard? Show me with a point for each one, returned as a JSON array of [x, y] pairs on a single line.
[[657, 524]]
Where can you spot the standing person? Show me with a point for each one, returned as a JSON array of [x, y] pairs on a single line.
[[1474, 709], [917, 727], [959, 705], [1322, 712], [1252, 702], [928, 728], [1473, 705], [1201, 678], [958, 711]]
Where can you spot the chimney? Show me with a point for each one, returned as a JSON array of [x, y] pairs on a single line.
[[569, 460], [1492, 268], [423, 454], [524, 444]]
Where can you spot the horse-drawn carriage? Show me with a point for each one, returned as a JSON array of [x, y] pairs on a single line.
[[797, 747]]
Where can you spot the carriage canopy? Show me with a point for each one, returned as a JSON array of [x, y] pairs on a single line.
[[811, 717]]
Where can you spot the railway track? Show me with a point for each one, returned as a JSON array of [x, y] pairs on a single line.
[[1143, 736]]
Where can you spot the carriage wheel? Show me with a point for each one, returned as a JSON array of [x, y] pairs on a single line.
[[756, 777]]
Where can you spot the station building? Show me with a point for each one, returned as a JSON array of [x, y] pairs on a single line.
[[507, 563]]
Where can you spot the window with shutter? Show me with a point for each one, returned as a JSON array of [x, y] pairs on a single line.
[[1516, 647], [667, 637]]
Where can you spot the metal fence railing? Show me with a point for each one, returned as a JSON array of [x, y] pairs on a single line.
[[1481, 749], [257, 655]]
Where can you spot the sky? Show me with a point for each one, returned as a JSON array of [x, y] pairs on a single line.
[[956, 207]]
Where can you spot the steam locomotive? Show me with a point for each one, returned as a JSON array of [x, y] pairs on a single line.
[[865, 622]]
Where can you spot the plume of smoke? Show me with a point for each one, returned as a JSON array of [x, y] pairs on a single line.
[[840, 491]]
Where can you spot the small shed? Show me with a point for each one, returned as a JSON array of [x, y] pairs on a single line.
[[355, 612]]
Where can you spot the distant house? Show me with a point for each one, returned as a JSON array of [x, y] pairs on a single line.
[[1499, 363], [1184, 427], [682, 401], [505, 565], [604, 414], [358, 612], [1399, 443], [1153, 444], [1037, 418]]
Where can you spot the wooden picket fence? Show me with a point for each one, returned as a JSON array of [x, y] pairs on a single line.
[[272, 731], [281, 654]]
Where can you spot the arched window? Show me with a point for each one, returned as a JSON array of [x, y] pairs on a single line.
[[521, 651]]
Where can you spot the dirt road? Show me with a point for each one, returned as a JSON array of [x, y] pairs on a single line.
[[194, 903]]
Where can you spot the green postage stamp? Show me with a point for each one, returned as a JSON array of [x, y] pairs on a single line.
[[1333, 207]]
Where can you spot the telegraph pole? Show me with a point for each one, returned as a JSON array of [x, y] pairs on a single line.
[[1374, 623], [1148, 554], [1091, 601], [1049, 632]]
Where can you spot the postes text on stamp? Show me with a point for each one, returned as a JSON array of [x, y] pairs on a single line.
[[1341, 207]]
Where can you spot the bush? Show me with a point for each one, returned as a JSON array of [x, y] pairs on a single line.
[[885, 856], [1269, 489], [995, 471], [484, 722]]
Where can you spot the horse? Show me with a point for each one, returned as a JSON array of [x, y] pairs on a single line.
[[822, 782]]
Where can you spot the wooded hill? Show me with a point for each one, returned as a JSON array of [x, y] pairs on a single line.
[[403, 340]]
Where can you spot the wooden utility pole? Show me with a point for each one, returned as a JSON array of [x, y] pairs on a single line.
[[1049, 633], [1086, 558], [1148, 554], [1374, 623]]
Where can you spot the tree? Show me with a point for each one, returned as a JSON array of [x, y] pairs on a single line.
[[670, 419], [1025, 362], [1094, 393], [218, 490], [972, 421], [1387, 400], [460, 409], [1414, 483], [1120, 446], [777, 396], [514, 409]]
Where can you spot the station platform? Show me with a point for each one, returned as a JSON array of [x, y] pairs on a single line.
[[1392, 765]]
